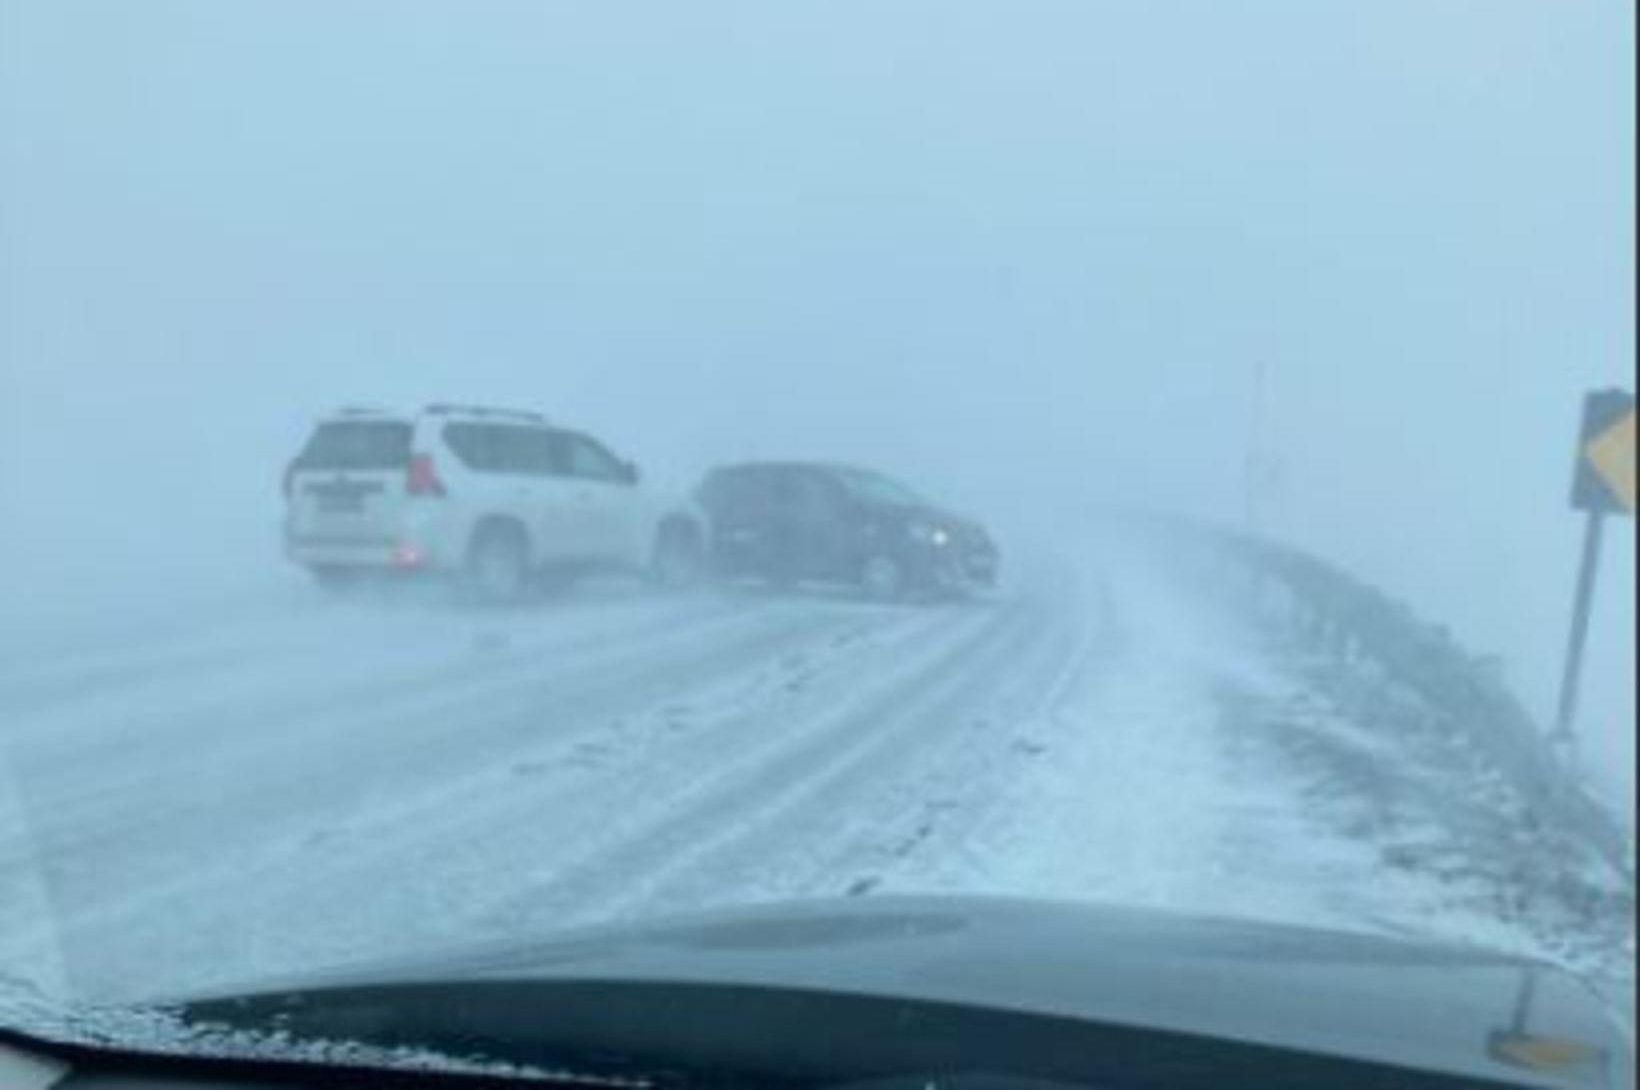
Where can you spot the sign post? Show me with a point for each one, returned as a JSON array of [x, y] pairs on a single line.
[[1603, 482]]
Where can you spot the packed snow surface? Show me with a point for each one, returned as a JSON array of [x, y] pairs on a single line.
[[293, 783]]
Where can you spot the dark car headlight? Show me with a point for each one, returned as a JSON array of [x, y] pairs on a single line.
[[929, 533]]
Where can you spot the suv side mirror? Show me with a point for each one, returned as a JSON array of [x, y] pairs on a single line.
[[629, 472]]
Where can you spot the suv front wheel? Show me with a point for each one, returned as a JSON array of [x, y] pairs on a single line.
[[678, 558]]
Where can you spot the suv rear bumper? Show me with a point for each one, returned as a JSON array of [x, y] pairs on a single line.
[[387, 554]]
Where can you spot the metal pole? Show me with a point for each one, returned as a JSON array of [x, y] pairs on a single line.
[[1566, 713], [1255, 438], [1523, 1000]]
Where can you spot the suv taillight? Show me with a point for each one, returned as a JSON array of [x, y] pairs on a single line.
[[422, 478]]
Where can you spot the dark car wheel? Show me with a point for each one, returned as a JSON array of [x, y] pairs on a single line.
[[779, 567], [778, 576], [883, 577]]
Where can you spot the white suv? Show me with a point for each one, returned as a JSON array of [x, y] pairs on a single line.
[[494, 496]]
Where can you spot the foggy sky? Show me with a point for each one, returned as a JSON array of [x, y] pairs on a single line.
[[1027, 255]]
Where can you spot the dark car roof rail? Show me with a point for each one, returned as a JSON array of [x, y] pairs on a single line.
[[363, 410], [764, 466], [788, 466], [441, 408]]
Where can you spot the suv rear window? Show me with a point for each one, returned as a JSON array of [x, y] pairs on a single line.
[[361, 444]]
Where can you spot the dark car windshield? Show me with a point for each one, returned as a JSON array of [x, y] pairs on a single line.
[[876, 488]]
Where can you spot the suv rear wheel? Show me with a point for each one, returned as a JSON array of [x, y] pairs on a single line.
[[497, 563], [335, 578]]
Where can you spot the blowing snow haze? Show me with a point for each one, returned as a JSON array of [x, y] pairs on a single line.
[[1034, 259], [1030, 256]]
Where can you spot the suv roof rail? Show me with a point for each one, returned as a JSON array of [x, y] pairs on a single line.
[[441, 408], [362, 410]]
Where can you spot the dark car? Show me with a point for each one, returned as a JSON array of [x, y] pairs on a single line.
[[792, 521]]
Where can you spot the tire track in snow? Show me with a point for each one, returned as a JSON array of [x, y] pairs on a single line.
[[328, 659], [135, 881], [257, 777], [129, 755], [737, 792], [928, 773], [25, 896], [432, 863], [969, 766]]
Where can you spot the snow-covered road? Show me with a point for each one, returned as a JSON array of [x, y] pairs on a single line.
[[300, 783]]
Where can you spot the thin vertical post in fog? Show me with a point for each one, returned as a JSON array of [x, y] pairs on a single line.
[[1255, 459], [1582, 597]]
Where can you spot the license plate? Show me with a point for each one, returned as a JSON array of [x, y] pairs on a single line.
[[340, 505]]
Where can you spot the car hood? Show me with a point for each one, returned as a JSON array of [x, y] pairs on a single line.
[[1420, 1005]]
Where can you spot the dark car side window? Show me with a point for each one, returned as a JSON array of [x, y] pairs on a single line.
[[809, 494], [736, 492], [717, 492]]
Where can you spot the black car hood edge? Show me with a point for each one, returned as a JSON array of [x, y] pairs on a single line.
[[1424, 1006]]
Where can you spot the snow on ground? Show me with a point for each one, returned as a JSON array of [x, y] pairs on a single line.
[[303, 783]]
